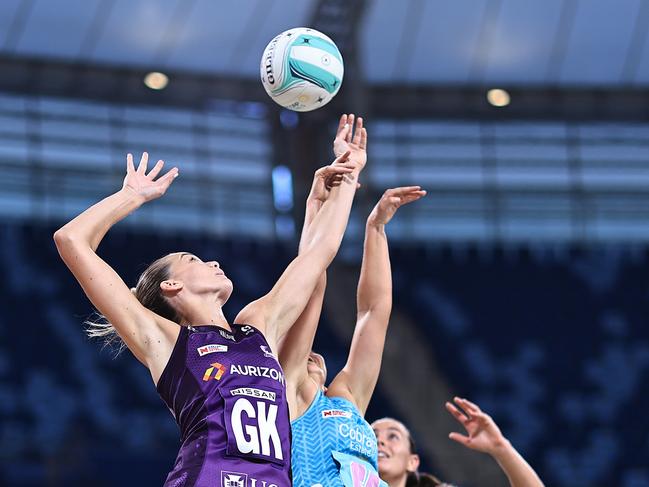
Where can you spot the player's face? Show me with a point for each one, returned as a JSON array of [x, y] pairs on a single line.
[[198, 276], [317, 368], [395, 458]]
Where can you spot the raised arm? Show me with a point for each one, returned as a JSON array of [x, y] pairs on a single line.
[[277, 311], [77, 242], [485, 436], [294, 348], [374, 302], [296, 345]]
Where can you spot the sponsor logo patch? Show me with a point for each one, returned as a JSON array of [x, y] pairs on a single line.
[[257, 371], [216, 371], [336, 413], [211, 348], [253, 392]]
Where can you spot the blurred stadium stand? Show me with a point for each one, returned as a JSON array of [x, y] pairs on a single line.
[[550, 340], [520, 281]]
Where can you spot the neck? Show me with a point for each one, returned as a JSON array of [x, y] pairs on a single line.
[[206, 312], [397, 481]]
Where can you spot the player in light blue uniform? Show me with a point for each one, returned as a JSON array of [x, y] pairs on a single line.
[[333, 445]]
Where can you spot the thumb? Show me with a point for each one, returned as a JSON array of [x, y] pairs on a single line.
[[461, 439]]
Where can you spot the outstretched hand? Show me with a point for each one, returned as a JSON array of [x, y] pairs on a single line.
[[392, 200], [330, 176], [145, 185], [351, 138], [483, 433]]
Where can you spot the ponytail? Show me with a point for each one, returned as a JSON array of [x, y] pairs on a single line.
[[147, 291]]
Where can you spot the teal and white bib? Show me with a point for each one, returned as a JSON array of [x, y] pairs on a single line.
[[333, 446]]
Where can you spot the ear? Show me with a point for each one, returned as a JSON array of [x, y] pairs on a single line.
[[413, 463], [171, 286]]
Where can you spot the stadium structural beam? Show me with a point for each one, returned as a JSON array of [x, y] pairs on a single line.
[[123, 84], [340, 20], [532, 103]]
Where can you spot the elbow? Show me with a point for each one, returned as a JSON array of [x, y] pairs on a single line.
[[60, 236], [63, 238]]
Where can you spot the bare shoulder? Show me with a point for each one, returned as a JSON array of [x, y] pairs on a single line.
[[253, 314], [158, 340], [339, 387], [305, 393]]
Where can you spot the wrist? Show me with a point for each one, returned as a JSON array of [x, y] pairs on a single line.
[[313, 203], [129, 195], [374, 224], [502, 450]]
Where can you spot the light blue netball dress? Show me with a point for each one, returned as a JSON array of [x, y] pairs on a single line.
[[333, 446]]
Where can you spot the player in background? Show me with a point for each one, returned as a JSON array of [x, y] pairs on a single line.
[[399, 462]]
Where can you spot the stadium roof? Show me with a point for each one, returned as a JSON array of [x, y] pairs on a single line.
[[466, 42]]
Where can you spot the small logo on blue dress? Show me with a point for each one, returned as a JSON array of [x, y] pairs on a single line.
[[336, 413]]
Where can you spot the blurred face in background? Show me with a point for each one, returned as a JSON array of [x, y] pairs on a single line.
[[396, 458]]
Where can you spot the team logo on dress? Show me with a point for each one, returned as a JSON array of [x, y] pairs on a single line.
[[237, 479], [227, 335], [234, 479], [247, 330], [219, 368], [336, 413], [211, 348], [267, 351]]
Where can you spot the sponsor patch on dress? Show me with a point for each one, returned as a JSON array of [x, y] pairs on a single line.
[[336, 413], [211, 348], [253, 392]]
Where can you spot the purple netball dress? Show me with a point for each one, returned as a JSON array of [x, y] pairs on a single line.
[[227, 393]]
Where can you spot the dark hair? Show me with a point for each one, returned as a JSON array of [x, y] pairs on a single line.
[[147, 291], [416, 479]]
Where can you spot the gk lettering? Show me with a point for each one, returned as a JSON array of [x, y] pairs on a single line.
[[263, 437]]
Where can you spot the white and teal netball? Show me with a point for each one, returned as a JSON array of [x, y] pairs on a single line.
[[301, 69]]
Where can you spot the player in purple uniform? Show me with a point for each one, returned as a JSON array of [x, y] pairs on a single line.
[[220, 380]]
